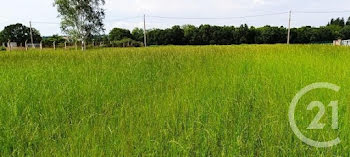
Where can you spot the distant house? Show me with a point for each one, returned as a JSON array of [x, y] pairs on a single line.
[[340, 42], [345, 42]]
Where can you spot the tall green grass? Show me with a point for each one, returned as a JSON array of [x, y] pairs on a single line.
[[169, 101]]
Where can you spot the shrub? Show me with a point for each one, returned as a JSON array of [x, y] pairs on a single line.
[[126, 42], [2, 48]]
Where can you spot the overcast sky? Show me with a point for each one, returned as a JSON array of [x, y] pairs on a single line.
[[119, 13]]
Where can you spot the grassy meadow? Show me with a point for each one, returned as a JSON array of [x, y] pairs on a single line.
[[170, 101]]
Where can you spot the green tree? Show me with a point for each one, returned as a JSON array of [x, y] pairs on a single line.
[[338, 22], [190, 34], [304, 34], [2, 40], [226, 35], [175, 35], [345, 32], [348, 21], [156, 37], [100, 39], [81, 19], [243, 32], [335, 31], [137, 34], [48, 41], [119, 34], [204, 32], [251, 36], [271, 35], [19, 33]]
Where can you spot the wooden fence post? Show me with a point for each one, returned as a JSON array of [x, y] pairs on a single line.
[[54, 45], [84, 46], [25, 45], [9, 44], [76, 46], [41, 45]]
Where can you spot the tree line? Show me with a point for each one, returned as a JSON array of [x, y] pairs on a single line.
[[338, 28], [226, 35]]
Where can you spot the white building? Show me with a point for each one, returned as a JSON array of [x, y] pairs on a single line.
[[340, 42]]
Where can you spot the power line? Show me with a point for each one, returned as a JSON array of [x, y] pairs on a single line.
[[217, 18], [50, 23], [127, 18], [209, 18], [281, 13], [320, 12], [190, 18], [112, 20]]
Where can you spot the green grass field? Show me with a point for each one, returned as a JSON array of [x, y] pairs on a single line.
[[169, 101]]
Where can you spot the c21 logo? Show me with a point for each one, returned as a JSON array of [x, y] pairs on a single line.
[[315, 124]]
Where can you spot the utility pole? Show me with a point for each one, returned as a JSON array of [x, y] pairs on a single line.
[[290, 18], [31, 34], [144, 30]]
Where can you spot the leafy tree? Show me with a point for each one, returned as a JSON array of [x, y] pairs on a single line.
[[175, 35], [345, 32], [227, 35], [119, 34], [190, 34], [271, 35], [304, 34], [335, 31], [100, 38], [323, 34], [293, 35], [156, 37], [243, 31], [2, 40], [137, 34], [126, 42], [251, 36], [48, 41], [221, 35], [19, 33], [338, 22], [204, 32], [81, 19]]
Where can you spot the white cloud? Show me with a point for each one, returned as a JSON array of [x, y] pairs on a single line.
[[259, 2], [3, 20]]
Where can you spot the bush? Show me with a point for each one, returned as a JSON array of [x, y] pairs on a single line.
[[137, 44], [126, 42], [2, 48]]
